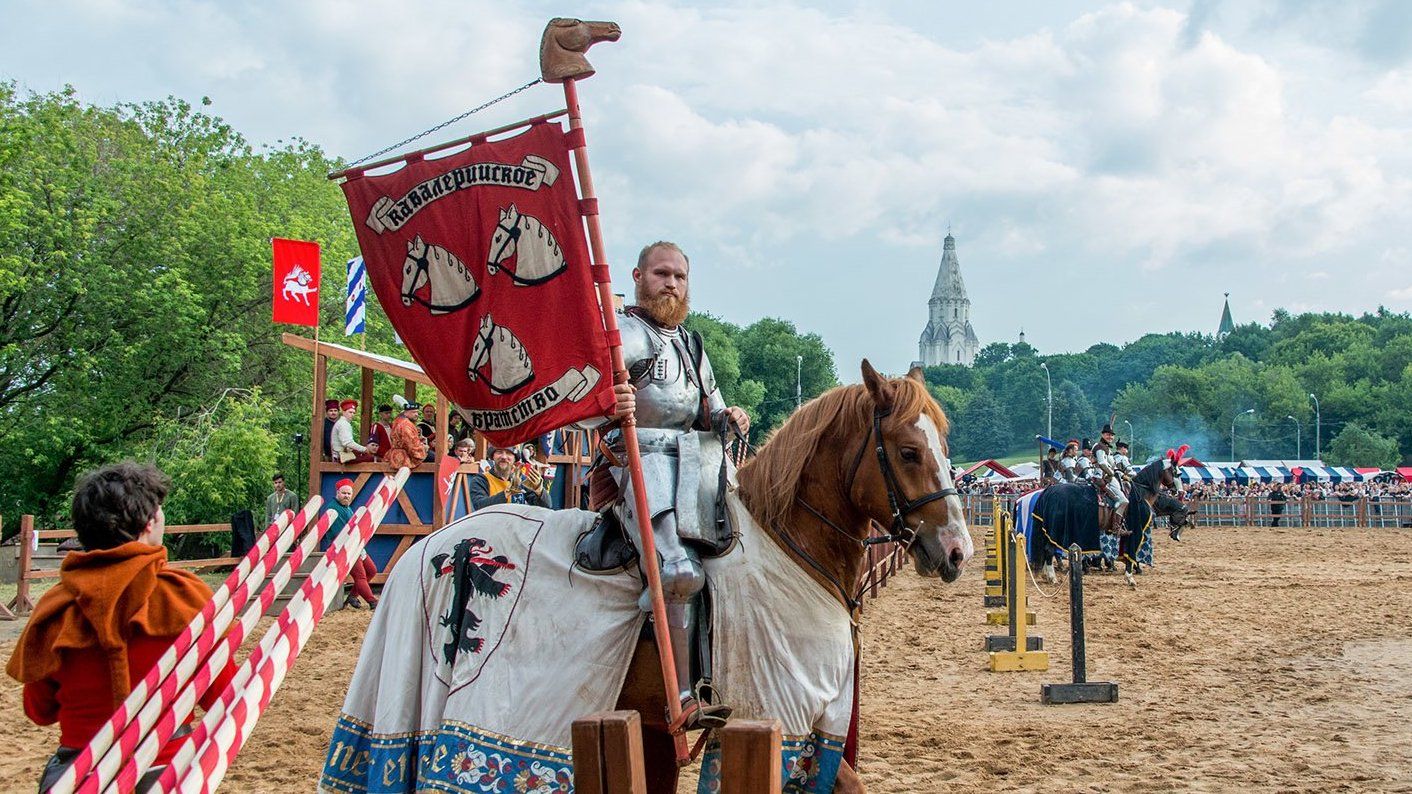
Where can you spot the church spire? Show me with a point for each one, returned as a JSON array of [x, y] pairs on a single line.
[[949, 284], [1226, 326]]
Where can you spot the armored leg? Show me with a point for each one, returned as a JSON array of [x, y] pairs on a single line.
[[682, 581], [1116, 495]]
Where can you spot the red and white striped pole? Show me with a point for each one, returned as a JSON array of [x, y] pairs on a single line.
[[202, 763], [138, 748], [190, 646]]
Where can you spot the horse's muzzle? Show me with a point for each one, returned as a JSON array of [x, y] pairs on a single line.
[[942, 553]]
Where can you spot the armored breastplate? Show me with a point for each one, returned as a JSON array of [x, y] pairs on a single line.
[[667, 396]]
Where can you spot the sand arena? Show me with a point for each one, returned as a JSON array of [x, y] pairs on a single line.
[[1256, 659]]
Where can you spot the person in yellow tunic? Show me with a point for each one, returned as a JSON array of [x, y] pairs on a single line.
[[507, 482]]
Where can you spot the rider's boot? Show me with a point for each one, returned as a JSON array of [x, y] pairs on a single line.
[[696, 707]]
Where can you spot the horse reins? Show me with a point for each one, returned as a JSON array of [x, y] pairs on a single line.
[[901, 507]]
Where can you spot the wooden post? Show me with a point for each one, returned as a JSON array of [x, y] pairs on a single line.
[[316, 431], [608, 754], [21, 603], [443, 428], [750, 757], [365, 401], [409, 390]]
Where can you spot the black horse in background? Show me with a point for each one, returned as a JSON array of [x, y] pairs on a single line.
[[1064, 514]]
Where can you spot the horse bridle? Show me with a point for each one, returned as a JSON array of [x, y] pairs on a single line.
[[512, 236], [423, 263], [898, 532]]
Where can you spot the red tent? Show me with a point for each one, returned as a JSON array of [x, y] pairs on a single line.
[[1405, 472], [993, 466]]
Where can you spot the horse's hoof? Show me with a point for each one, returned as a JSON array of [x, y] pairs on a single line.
[[1131, 581]]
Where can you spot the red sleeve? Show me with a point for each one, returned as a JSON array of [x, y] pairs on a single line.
[[218, 685], [41, 701]]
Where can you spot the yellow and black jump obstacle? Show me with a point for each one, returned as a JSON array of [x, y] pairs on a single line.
[[1017, 650], [1081, 690]]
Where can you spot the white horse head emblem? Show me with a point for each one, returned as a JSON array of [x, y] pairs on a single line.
[[296, 285], [450, 285], [500, 358], [537, 255]]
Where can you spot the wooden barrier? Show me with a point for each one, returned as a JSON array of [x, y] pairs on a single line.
[[29, 539], [607, 749]]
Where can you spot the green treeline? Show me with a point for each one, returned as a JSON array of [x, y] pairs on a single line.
[[1179, 388], [135, 307]]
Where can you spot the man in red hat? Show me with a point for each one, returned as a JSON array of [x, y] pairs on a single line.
[[330, 418], [345, 447]]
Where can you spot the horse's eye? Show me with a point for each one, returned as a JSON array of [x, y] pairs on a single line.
[[909, 454]]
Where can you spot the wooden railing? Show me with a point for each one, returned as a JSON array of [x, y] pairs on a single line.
[[29, 538]]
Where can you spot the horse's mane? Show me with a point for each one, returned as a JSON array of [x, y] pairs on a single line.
[[771, 480]]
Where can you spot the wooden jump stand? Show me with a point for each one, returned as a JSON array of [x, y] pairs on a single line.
[[1080, 690], [1017, 650]]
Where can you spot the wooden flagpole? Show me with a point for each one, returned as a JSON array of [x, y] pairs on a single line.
[[568, 72]]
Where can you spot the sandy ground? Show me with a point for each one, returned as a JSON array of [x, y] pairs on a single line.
[[1248, 659]]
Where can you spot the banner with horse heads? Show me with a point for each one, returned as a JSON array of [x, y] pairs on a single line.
[[480, 262]]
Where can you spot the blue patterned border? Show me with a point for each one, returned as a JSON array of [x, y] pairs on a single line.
[[810, 765], [457, 758]]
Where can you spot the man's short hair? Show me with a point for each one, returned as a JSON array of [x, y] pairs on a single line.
[[277, 477], [112, 505], [650, 247]]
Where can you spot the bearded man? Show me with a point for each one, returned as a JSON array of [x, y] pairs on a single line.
[[507, 482], [672, 393]]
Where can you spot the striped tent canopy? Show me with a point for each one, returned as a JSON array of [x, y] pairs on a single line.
[[1330, 474], [1207, 474], [1263, 474]]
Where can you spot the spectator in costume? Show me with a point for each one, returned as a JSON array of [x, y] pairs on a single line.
[[330, 419], [345, 448], [115, 610], [408, 447], [381, 432], [507, 482], [363, 569], [281, 500]]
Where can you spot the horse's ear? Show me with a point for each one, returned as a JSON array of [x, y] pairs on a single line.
[[915, 373], [877, 386]]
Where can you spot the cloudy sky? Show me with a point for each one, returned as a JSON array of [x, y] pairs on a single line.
[[1107, 169]]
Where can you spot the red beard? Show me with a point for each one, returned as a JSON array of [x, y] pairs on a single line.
[[668, 311]]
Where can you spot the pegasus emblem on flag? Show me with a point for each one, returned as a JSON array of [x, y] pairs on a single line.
[[296, 285]]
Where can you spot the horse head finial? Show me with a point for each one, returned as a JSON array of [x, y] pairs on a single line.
[[561, 50]]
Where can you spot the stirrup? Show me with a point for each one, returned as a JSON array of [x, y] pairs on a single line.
[[699, 712]]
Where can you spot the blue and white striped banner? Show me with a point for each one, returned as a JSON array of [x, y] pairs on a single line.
[[355, 305]]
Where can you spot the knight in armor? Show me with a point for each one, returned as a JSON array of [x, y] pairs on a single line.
[[672, 393], [1122, 463], [1069, 463], [1107, 467]]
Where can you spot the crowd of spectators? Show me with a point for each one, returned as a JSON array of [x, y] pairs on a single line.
[[1376, 491]]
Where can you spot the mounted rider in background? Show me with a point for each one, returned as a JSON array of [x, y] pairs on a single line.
[[1103, 459], [1069, 463], [673, 395]]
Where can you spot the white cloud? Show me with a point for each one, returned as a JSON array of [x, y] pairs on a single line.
[[800, 151]]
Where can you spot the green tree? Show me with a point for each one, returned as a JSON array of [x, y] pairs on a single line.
[[1358, 446], [768, 349], [983, 430]]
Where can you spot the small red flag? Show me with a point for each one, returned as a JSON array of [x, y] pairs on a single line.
[[296, 281], [446, 476]]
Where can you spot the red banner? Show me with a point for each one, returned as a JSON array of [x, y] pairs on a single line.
[[296, 280], [479, 260]]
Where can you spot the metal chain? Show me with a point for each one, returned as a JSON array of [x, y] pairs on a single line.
[[446, 123]]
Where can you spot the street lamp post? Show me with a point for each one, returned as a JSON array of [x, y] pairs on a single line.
[[1233, 421], [1132, 440], [1318, 440], [798, 382], [1298, 431], [1048, 400]]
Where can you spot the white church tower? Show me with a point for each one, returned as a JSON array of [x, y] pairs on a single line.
[[949, 337]]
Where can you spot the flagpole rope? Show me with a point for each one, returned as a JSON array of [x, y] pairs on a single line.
[[447, 123]]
